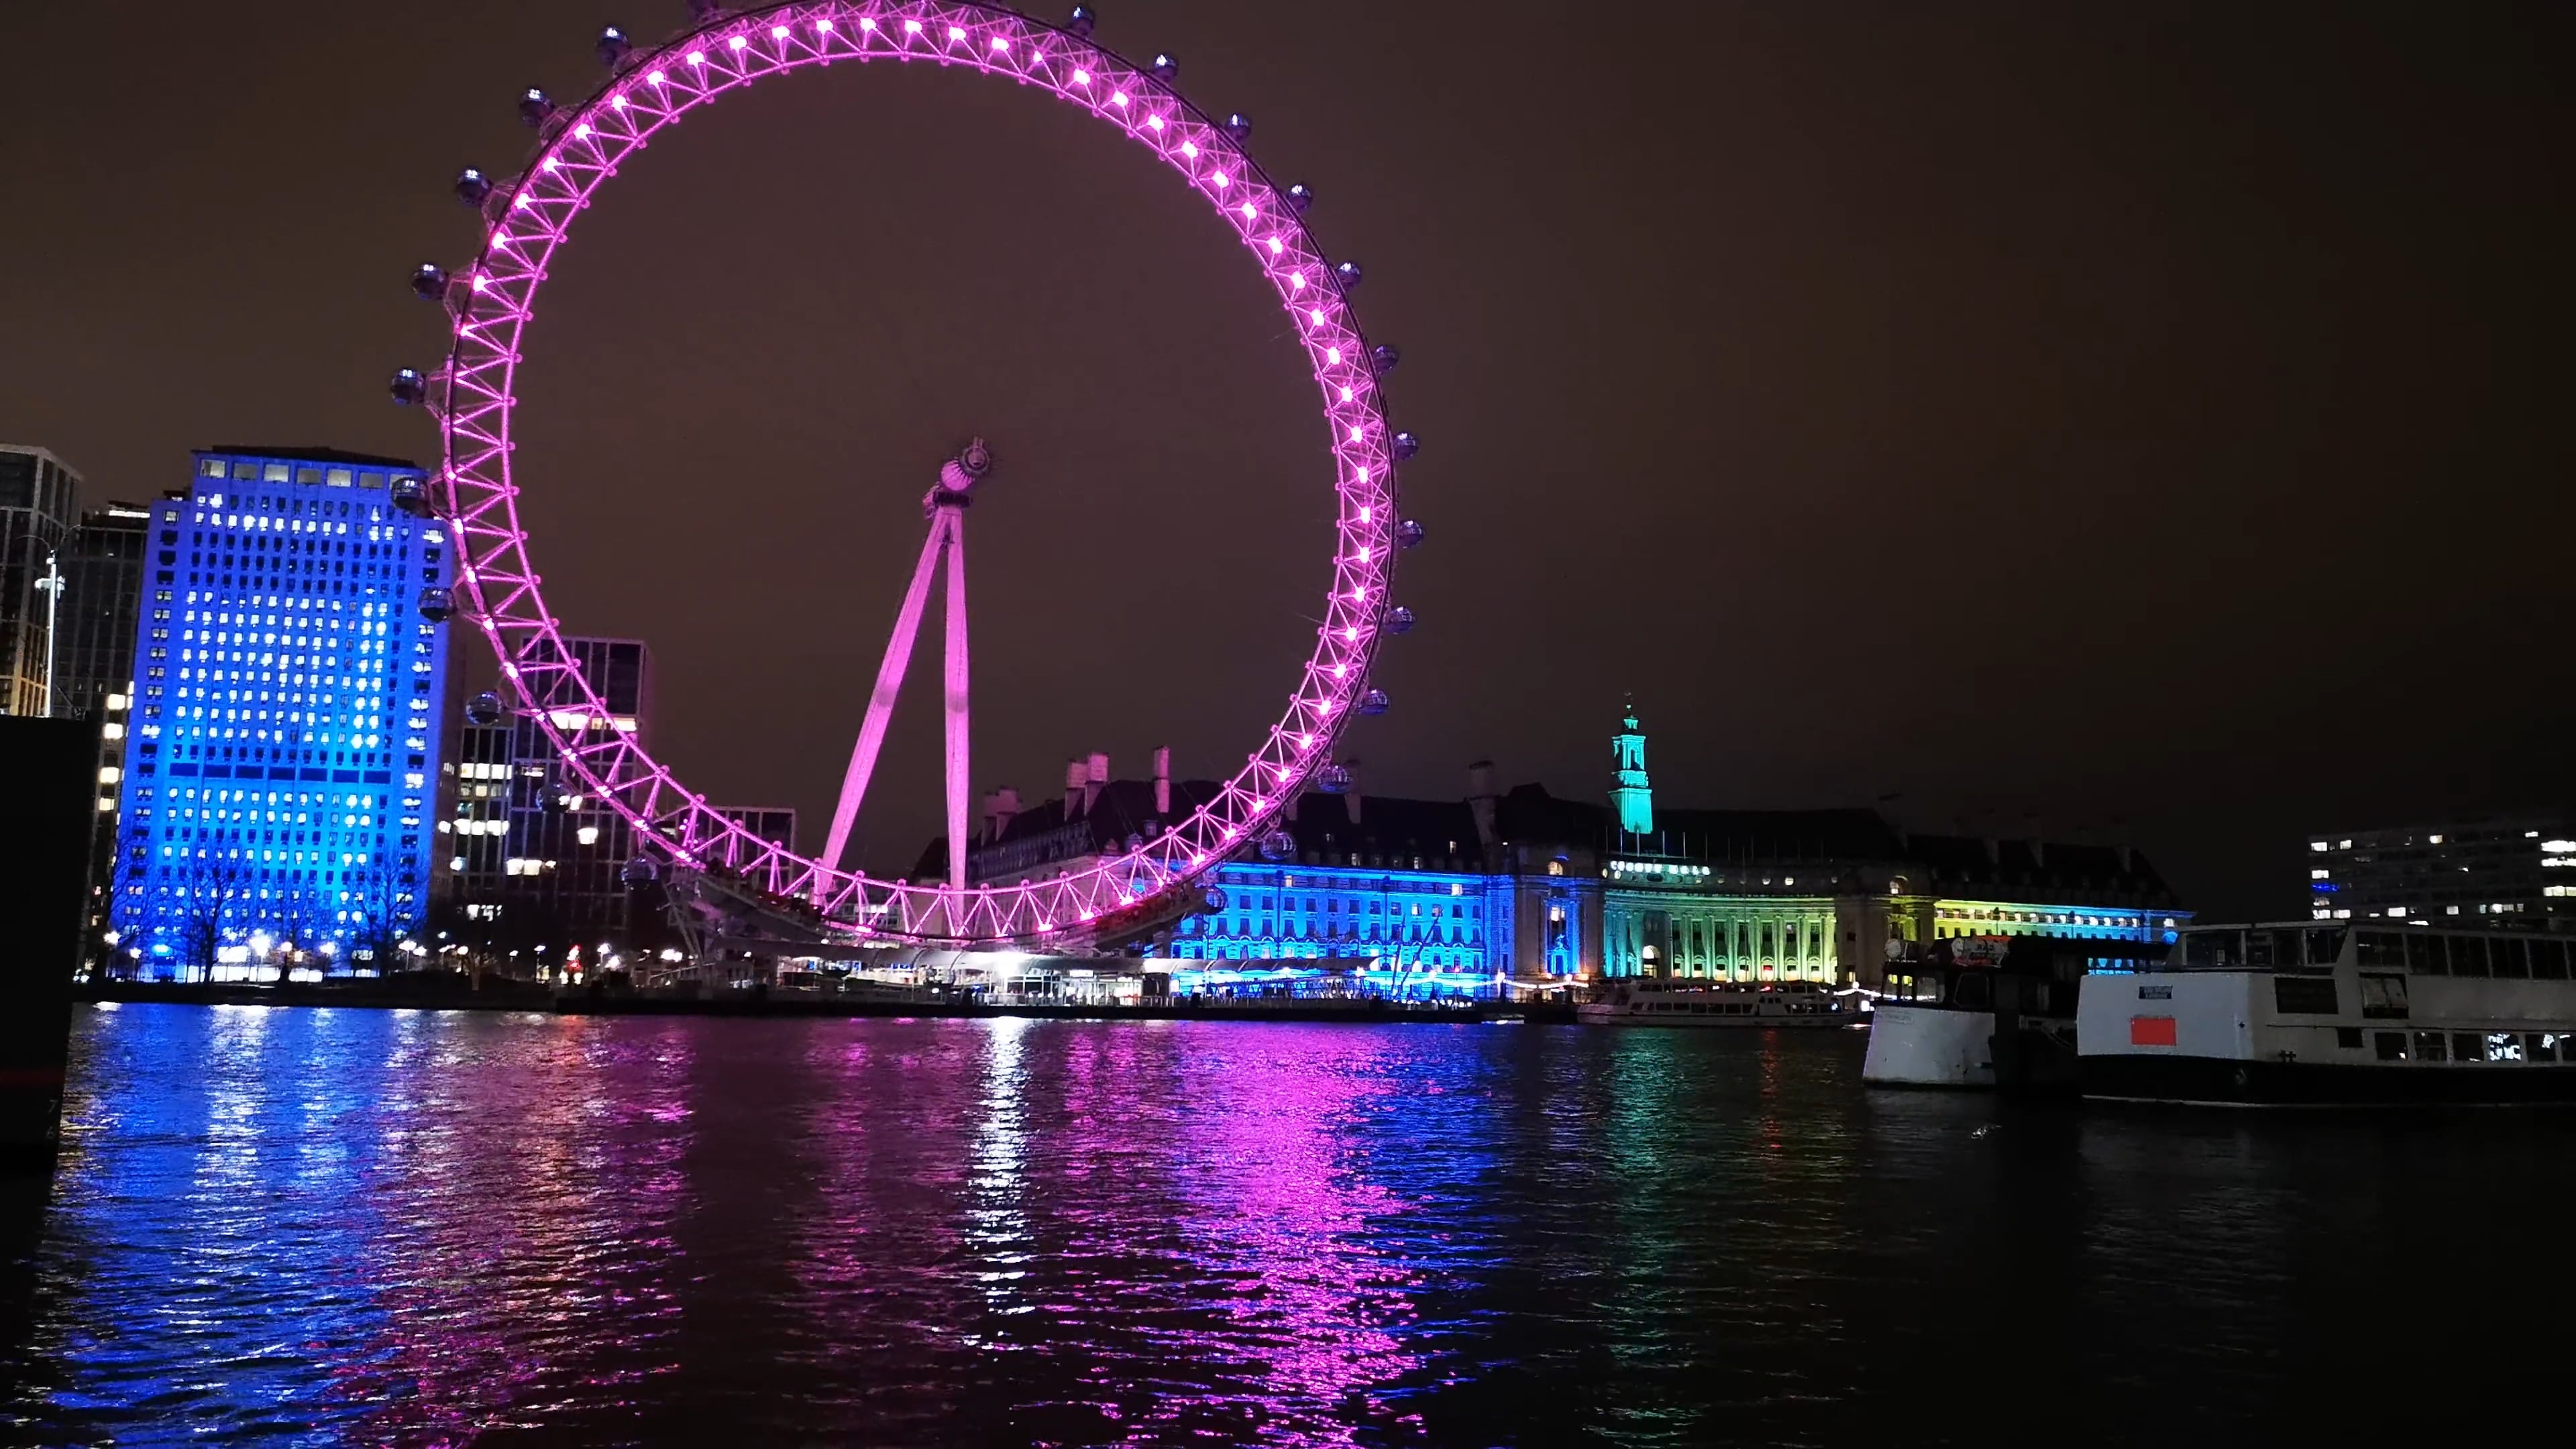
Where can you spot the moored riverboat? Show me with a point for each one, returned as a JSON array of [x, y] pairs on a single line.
[[1649, 1002], [2318, 1014], [1986, 1012]]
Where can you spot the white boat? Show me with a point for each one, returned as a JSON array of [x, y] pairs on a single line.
[[1648, 1002], [1980, 1014], [2335, 1014]]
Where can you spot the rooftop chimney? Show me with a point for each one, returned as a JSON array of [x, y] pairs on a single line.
[[1006, 808], [1481, 800], [1163, 782], [1075, 777], [1351, 796], [1099, 776]]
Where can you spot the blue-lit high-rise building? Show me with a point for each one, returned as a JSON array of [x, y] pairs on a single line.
[[290, 672]]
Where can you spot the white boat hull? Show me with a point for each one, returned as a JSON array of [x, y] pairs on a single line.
[[1929, 1046], [1690, 1010]]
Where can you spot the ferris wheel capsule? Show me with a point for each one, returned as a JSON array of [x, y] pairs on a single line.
[[409, 495], [1349, 275], [1333, 779], [437, 605], [1279, 845], [1406, 445], [474, 479], [483, 709], [1383, 359], [1398, 620], [429, 282], [408, 387], [1410, 533], [638, 872]]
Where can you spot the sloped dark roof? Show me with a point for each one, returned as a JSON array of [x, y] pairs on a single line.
[[1757, 835], [1965, 865], [311, 455], [1124, 808], [1388, 826], [1529, 813]]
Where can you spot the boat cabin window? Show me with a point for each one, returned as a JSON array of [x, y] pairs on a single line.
[[2391, 1045], [2325, 945], [2214, 948], [1975, 990], [2504, 1046], [2468, 956], [2424, 954], [2468, 1046], [2549, 960], [2304, 995], [2539, 1046], [2275, 947], [2505, 958], [2383, 996], [2428, 1046], [2386, 949]]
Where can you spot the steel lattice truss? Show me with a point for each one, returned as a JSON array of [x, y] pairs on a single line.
[[528, 217]]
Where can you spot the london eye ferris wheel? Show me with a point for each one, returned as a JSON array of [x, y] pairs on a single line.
[[528, 216]]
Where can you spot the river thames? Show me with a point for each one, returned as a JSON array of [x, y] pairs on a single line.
[[364, 1227]]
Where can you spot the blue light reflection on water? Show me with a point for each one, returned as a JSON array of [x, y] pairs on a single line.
[[377, 1227]]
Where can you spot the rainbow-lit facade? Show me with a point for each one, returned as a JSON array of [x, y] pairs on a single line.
[[284, 744]]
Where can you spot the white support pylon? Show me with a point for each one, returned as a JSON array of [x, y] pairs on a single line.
[[960, 775], [946, 507]]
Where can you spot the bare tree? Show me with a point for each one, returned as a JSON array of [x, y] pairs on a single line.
[[385, 907], [298, 923], [213, 881]]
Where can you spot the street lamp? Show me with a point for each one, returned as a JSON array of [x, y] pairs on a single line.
[[52, 584]]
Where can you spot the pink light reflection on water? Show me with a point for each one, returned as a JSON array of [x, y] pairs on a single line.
[[564, 1280]]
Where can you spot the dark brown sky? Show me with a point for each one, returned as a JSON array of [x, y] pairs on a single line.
[[2143, 420]]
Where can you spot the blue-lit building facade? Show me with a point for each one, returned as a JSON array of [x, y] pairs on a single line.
[[282, 759], [1525, 889]]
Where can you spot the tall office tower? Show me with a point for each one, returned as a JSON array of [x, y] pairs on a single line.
[[773, 823], [561, 879], [283, 746], [2512, 870], [102, 589], [37, 493], [475, 817], [94, 672]]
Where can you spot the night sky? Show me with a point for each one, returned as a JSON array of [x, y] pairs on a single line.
[[2136, 423]]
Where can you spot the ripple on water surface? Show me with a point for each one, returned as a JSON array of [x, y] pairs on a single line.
[[399, 1227]]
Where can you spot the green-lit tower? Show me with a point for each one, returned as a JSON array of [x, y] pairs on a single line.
[[1634, 797]]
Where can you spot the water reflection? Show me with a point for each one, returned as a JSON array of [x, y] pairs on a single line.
[[364, 1227]]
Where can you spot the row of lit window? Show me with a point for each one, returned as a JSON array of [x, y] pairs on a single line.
[[1330, 883], [310, 476], [1276, 951], [2402, 913]]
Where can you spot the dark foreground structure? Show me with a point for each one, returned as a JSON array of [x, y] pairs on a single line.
[[48, 770]]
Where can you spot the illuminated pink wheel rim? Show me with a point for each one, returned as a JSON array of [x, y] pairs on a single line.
[[584, 145]]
